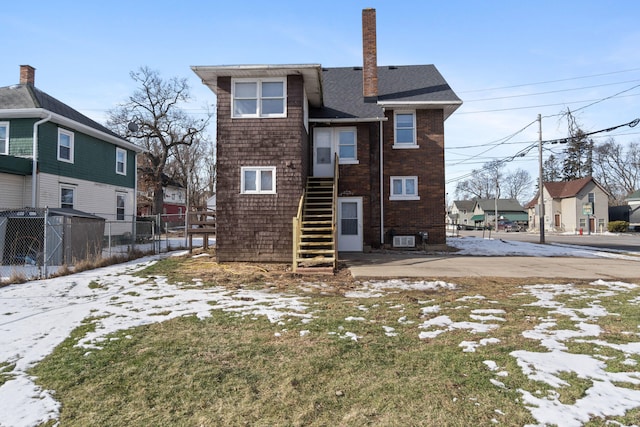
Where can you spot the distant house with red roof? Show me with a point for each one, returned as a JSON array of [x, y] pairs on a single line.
[[581, 204]]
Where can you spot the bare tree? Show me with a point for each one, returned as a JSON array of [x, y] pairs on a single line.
[[154, 119], [483, 184], [617, 169], [191, 166], [518, 185]]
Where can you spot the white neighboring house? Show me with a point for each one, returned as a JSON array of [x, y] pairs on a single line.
[[78, 163], [580, 205]]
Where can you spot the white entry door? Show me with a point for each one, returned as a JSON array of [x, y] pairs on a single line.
[[323, 150], [350, 224]]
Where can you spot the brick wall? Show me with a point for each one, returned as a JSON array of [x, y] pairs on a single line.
[[427, 163], [258, 227]]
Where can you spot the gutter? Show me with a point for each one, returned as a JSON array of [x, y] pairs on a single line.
[[349, 120], [34, 162]]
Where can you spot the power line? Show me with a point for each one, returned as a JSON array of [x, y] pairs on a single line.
[[552, 81], [549, 92], [593, 102]]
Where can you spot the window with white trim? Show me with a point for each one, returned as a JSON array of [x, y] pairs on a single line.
[[65, 145], [347, 146], [344, 140], [404, 188], [121, 161], [120, 206], [67, 197], [258, 180], [4, 137], [258, 98], [404, 123]]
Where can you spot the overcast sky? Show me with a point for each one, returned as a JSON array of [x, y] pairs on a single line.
[[508, 61]]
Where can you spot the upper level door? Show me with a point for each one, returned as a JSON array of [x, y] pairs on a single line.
[[323, 152]]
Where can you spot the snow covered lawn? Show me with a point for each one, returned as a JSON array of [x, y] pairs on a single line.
[[527, 344]]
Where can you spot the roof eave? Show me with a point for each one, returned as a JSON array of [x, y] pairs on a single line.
[[311, 73], [448, 107], [41, 113]]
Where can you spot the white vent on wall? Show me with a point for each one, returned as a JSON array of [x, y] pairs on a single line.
[[404, 241]]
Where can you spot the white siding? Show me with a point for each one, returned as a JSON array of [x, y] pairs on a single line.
[[94, 198], [15, 192]]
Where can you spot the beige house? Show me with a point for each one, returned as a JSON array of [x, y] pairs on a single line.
[[461, 213], [579, 206]]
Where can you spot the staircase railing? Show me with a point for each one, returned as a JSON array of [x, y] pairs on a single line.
[[334, 209], [297, 227]]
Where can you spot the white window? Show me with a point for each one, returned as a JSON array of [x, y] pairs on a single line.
[[67, 196], [259, 98], [258, 180], [404, 188], [4, 137], [405, 129], [121, 161], [347, 147], [120, 206], [340, 140], [65, 145]]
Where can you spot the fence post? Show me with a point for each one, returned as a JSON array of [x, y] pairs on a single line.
[[44, 242], [109, 237]]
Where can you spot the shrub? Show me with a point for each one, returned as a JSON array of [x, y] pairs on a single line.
[[618, 226]]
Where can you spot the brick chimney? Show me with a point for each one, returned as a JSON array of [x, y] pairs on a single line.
[[370, 55], [27, 75]]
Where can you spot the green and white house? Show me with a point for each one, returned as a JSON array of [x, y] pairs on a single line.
[[78, 163]]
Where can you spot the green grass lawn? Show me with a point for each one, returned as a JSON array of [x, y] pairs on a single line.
[[358, 361]]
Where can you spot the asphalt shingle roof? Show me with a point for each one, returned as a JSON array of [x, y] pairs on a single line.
[[27, 96], [342, 90], [504, 205]]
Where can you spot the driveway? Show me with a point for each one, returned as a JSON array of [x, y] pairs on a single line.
[[385, 265]]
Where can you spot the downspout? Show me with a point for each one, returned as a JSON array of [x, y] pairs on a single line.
[[134, 215], [34, 170], [381, 182]]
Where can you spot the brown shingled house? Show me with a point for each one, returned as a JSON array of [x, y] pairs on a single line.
[[355, 155]]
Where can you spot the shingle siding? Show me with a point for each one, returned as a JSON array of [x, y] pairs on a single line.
[[251, 226]]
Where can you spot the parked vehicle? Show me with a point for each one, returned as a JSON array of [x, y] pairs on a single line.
[[508, 226]]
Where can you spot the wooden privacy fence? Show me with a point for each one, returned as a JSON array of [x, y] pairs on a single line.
[[201, 223]]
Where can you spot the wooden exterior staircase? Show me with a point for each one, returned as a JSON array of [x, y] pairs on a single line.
[[314, 228]]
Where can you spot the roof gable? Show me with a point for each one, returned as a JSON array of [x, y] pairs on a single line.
[[464, 204], [565, 189], [25, 96]]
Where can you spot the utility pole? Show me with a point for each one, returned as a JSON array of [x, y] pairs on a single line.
[[496, 201], [541, 184]]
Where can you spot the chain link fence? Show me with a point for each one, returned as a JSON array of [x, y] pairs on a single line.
[[38, 243]]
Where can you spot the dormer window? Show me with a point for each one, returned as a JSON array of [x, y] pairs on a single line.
[[257, 98]]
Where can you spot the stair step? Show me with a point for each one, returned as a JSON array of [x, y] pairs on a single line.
[[317, 236], [316, 251], [327, 229], [316, 223], [308, 244]]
